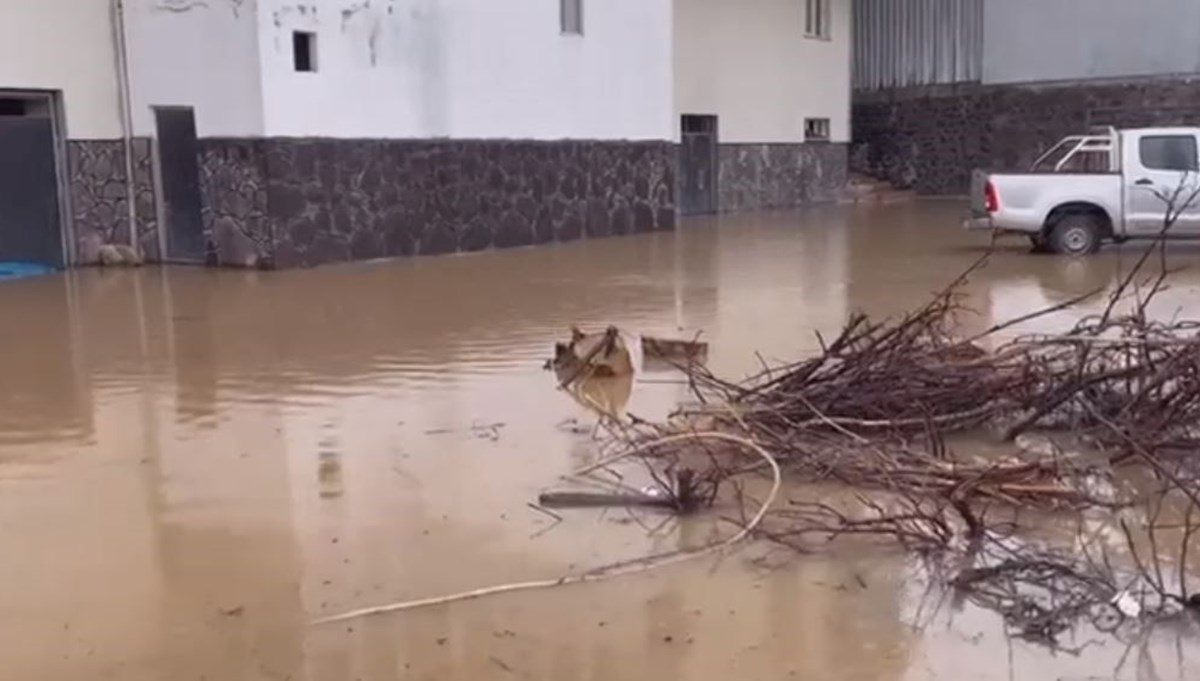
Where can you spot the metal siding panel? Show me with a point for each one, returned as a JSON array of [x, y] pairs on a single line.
[[974, 46], [916, 42], [1030, 44]]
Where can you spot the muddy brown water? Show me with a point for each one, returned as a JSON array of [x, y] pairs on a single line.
[[195, 464]]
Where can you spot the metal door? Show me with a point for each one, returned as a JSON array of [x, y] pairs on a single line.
[[180, 175], [30, 222], [1160, 171], [698, 165]]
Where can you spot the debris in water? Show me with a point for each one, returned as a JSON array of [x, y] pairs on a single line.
[[685, 494], [674, 351], [329, 474], [873, 411], [1127, 605]]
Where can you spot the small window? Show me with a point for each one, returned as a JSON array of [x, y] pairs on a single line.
[[571, 16], [816, 19], [816, 129], [1169, 152], [304, 51], [1087, 162], [698, 125]]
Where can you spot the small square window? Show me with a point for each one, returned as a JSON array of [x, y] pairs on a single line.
[[571, 16], [816, 129], [816, 19], [304, 51]]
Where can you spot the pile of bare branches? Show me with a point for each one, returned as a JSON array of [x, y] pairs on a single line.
[[874, 411]]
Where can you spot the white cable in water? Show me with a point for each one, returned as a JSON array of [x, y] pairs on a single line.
[[608, 571]]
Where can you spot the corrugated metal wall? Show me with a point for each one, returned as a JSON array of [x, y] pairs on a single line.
[[917, 42], [1045, 40]]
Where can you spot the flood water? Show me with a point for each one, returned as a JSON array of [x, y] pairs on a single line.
[[196, 464]]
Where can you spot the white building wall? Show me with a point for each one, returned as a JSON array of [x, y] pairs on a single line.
[[64, 45], [469, 69], [749, 63], [198, 54]]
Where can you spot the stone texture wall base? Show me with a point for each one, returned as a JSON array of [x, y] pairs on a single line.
[[303, 202], [777, 176], [930, 139], [99, 197]]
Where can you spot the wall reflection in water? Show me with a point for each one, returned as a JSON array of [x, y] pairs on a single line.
[[194, 464]]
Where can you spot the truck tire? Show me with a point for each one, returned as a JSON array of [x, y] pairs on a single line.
[[1038, 244], [1077, 234]]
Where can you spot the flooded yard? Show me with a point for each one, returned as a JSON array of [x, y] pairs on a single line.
[[196, 464]]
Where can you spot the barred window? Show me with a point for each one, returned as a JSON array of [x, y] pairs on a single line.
[[571, 16]]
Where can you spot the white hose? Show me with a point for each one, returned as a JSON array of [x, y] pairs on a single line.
[[612, 570]]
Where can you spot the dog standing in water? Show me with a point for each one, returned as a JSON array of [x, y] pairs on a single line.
[[597, 371]]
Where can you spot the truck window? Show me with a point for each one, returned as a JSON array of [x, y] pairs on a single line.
[[1087, 162], [1169, 152]]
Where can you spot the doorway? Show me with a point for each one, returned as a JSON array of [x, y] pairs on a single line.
[[31, 231], [698, 165], [179, 174]]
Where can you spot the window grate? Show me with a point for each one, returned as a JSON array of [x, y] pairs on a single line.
[[304, 51], [816, 129], [816, 19], [571, 16]]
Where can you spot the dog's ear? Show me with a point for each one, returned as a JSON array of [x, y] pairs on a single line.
[[576, 334]]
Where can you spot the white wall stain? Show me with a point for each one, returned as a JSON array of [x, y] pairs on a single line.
[[385, 68], [179, 5], [471, 68]]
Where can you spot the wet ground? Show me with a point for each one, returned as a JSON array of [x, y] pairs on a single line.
[[195, 464]]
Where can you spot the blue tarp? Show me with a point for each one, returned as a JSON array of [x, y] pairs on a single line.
[[15, 270]]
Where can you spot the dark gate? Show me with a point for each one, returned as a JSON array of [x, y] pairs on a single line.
[[30, 223], [178, 155], [698, 165]]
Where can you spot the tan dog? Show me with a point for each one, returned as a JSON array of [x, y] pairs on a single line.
[[597, 371], [595, 354]]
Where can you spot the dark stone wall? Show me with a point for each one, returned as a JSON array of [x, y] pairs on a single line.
[[301, 202], [337, 200], [773, 176], [99, 197], [233, 190], [931, 138]]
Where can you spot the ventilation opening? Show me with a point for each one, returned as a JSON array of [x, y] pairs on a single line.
[[816, 19], [304, 51], [571, 16], [816, 129], [699, 124]]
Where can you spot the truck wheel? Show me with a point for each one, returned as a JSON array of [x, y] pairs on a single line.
[[1075, 235], [1037, 244]]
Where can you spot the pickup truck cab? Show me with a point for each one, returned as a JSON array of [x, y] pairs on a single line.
[[1087, 189]]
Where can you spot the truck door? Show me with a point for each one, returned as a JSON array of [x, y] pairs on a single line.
[[1161, 167]]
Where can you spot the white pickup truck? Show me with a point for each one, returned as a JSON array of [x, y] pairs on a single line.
[[1088, 189]]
